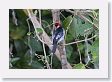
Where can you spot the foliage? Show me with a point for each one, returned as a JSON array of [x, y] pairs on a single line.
[[28, 53]]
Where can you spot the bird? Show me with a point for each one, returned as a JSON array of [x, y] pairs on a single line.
[[58, 35]]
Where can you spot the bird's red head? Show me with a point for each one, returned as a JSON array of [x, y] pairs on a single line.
[[57, 24]]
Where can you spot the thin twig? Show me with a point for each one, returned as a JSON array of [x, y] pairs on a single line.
[[31, 51], [46, 61], [67, 10], [85, 10], [48, 25], [78, 11], [68, 27], [92, 16], [62, 15], [81, 40], [45, 22]]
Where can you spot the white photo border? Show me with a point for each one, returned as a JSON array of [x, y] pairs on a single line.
[[102, 72]]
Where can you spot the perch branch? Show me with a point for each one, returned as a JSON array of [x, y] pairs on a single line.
[[62, 51], [61, 47]]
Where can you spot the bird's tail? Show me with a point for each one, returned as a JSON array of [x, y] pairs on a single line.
[[54, 48]]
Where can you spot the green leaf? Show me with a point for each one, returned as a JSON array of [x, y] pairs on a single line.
[[67, 21], [20, 47], [28, 56], [69, 50], [95, 49], [36, 65], [18, 33], [80, 27], [70, 29], [22, 16], [79, 66], [69, 38], [95, 52], [35, 44]]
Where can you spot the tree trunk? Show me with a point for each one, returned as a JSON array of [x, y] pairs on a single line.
[[61, 47]]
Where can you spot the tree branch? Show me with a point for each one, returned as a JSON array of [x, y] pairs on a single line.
[[80, 40], [31, 51]]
